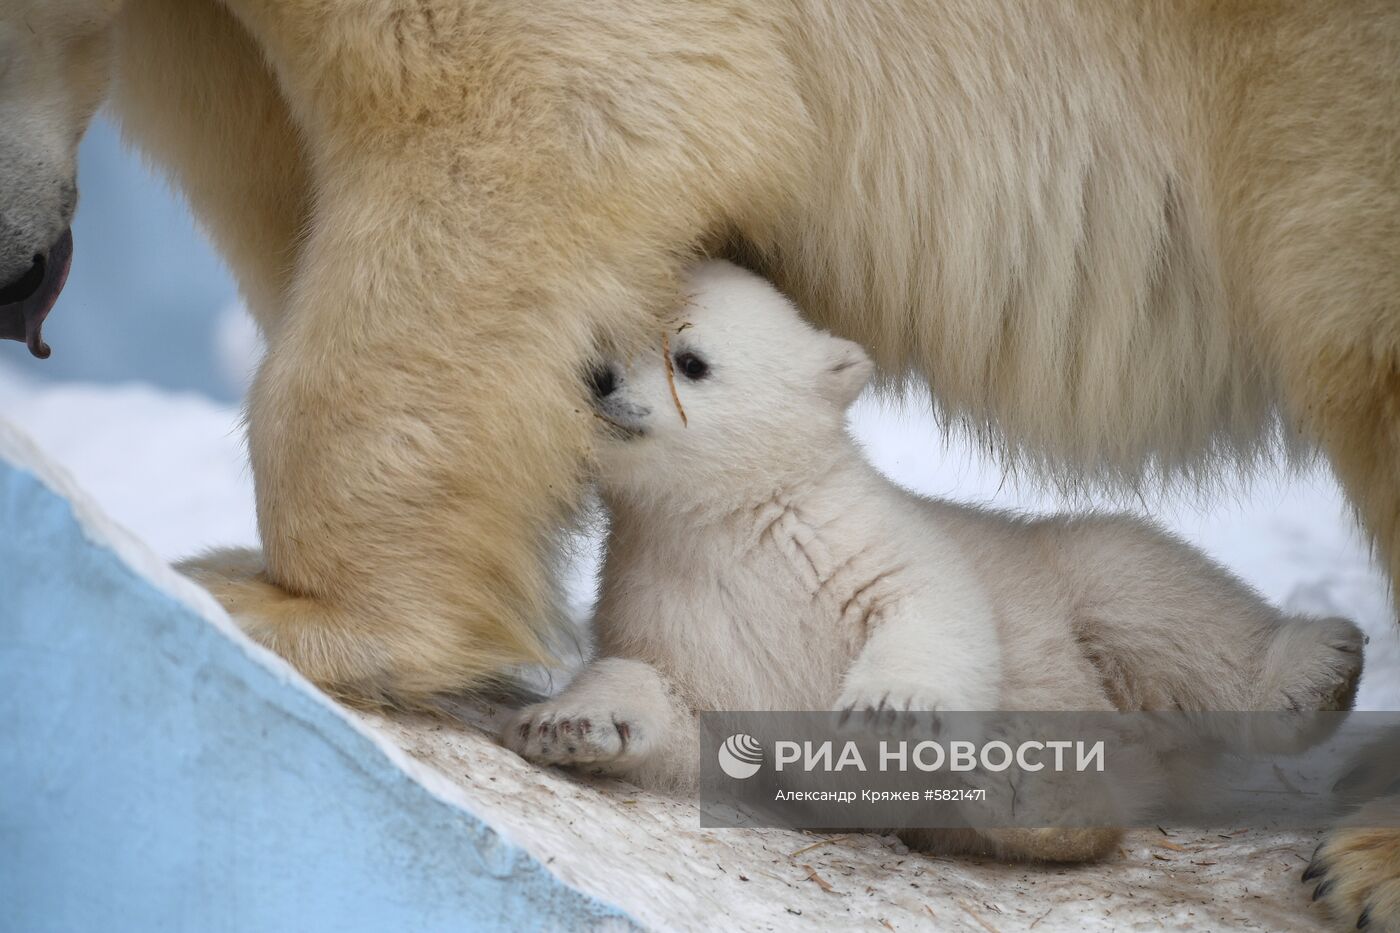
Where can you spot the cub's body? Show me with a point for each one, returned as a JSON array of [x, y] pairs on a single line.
[[790, 585], [756, 561]]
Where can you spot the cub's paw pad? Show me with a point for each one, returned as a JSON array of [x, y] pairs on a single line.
[[549, 734]]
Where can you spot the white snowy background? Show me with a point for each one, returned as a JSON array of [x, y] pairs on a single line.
[[149, 314]]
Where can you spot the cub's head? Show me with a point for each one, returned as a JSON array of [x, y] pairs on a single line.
[[739, 391]]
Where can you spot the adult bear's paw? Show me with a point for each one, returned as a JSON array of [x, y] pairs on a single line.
[[1356, 871]]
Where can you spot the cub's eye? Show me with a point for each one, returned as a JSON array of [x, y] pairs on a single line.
[[692, 367]]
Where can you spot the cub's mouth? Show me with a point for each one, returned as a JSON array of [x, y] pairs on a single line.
[[27, 301], [624, 421], [618, 429]]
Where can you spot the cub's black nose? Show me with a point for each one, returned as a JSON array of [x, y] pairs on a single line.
[[604, 382]]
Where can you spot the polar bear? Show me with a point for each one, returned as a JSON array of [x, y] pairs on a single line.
[[1126, 238], [755, 560]]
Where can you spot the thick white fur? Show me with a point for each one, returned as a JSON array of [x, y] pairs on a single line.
[[756, 561], [1119, 237]]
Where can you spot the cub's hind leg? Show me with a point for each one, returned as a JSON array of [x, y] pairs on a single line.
[[1168, 628]]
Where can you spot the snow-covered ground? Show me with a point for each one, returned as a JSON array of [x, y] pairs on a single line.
[[172, 469]]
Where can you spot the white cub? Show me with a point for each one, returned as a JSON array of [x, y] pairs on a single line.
[[755, 560]]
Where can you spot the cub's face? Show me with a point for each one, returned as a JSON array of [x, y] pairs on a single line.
[[739, 391]]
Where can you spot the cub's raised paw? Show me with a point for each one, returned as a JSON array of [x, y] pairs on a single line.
[[562, 734], [1356, 875]]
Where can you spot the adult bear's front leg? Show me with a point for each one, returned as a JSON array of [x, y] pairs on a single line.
[[419, 431], [497, 187]]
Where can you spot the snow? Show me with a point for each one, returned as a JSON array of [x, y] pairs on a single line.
[[169, 467], [172, 469]]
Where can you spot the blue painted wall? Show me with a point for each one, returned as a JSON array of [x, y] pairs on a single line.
[[155, 774]]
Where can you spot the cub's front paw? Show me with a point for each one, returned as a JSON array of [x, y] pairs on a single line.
[[890, 708], [881, 711], [562, 733]]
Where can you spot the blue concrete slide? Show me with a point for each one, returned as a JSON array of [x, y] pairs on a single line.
[[158, 771]]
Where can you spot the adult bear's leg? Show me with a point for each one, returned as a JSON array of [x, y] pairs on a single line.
[[494, 194], [1339, 351], [192, 90], [1347, 396], [1315, 221], [418, 430]]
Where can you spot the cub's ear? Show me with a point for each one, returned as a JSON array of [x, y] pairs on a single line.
[[846, 371]]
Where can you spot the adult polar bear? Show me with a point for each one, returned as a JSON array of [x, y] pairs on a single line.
[[1122, 235]]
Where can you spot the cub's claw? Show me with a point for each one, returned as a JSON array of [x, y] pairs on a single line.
[[550, 735]]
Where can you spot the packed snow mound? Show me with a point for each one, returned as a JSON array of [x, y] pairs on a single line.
[[172, 468]]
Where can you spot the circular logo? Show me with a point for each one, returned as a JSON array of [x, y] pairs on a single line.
[[740, 756]]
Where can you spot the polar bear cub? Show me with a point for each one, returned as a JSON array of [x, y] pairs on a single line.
[[755, 560]]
